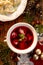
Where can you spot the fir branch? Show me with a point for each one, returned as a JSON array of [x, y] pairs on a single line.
[[39, 28]]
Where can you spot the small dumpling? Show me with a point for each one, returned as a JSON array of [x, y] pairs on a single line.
[[1, 10], [17, 2], [9, 9]]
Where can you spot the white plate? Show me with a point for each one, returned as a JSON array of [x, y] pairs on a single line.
[[16, 14]]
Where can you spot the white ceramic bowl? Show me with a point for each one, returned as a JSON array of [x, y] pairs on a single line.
[[26, 50], [16, 14]]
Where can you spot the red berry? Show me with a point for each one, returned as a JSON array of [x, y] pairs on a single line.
[[37, 22], [22, 45], [29, 37], [15, 42], [22, 31], [13, 35]]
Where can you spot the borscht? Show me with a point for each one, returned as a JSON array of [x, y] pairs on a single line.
[[21, 37]]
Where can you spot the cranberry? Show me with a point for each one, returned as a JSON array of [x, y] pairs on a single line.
[[22, 45], [15, 42], [37, 22], [22, 31], [13, 35], [29, 37]]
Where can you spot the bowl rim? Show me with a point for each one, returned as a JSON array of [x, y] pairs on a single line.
[[16, 14], [17, 50]]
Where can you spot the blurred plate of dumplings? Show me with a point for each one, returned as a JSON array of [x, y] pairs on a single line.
[[11, 9]]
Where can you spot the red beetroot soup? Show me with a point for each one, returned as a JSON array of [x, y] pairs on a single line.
[[21, 37]]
